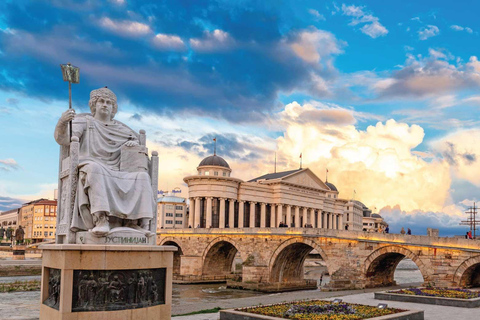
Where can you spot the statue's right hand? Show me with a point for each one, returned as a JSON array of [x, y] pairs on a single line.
[[67, 116]]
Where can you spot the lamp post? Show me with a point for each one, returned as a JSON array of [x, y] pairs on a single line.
[[72, 75]]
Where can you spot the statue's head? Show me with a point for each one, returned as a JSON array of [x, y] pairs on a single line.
[[106, 94]]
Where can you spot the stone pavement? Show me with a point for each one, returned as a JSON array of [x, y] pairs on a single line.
[[25, 305]]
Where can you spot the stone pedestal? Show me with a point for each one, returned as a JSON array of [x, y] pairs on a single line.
[[94, 282], [18, 252]]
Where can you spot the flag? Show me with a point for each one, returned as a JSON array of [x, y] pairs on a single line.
[[300, 156], [354, 191], [327, 170], [215, 139]]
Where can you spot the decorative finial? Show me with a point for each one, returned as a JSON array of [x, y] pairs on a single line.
[[215, 146]]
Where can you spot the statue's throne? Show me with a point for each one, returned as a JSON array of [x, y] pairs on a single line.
[[68, 180]]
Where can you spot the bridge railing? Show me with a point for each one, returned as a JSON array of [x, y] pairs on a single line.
[[190, 277]]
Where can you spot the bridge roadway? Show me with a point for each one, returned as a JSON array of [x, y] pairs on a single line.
[[275, 256]]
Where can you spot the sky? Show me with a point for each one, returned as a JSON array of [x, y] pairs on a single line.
[[385, 94]]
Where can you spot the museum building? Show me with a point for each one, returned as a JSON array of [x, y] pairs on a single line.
[[295, 198]]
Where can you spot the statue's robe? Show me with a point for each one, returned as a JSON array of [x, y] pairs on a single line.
[[101, 184]]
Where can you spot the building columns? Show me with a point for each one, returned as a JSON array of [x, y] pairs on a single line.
[[198, 214], [331, 220], [340, 222], [297, 217], [241, 211], [221, 220], [263, 215], [289, 216], [312, 217], [305, 217], [209, 213], [191, 216], [325, 220], [252, 214], [279, 214], [231, 213], [272, 216]]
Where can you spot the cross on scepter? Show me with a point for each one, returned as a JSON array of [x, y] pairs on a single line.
[[72, 75]]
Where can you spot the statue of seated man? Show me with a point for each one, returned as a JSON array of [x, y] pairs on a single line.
[[106, 197]]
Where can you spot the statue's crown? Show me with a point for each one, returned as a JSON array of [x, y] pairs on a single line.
[[103, 92]]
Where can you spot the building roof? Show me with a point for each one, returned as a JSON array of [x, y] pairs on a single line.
[[171, 199], [331, 186], [40, 201], [376, 215], [277, 175], [9, 211], [214, 161]]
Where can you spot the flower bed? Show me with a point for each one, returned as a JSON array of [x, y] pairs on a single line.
[[440, 292], [440, 296], [316, 310]]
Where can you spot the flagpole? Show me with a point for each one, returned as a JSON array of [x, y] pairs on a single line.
[[275, 168]]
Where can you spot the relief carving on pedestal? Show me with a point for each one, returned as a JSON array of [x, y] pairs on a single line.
[[54, 278], [96, 290]]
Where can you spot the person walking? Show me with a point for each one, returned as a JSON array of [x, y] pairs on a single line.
[[402, 231], [409, 232], [387, 229]]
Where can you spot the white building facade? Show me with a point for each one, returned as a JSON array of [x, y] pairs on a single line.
[[296, 198], [172, 212]]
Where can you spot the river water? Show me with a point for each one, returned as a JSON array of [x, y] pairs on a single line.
[[406, 272]]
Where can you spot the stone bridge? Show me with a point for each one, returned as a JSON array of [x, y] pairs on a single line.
[[354, 259]]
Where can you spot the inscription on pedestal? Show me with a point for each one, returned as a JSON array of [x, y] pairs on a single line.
[[99, 290], [54, 278]]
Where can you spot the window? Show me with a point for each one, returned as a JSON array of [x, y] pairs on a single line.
[[224, 174], [36, 210], [51, 234], [45, 234], [207, 173], [348, 217], [169, 207], [169, 214], [178, 207], [46, 218], [168, 221], [51, 226], [178, 222], [215, 173], [178, 215]]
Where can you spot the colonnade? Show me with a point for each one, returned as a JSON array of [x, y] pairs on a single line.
[[212, 212]]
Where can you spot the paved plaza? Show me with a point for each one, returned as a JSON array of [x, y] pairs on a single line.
[[25, 305]]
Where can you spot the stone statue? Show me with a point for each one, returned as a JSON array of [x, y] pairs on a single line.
[[9, 233], [2, 232], [19, 235], [109, 195]]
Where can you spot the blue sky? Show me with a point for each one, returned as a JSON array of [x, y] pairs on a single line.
[[381, 93]]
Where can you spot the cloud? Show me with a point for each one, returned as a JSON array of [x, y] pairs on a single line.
[[371, 25], [315, 46], [169, 42], [462, 151], [460, 28], [7, 203], [316, 14], [379, 162], [125, 27], [418, 221], [429, 76], [215, 41], [9, 164], [428, 32]]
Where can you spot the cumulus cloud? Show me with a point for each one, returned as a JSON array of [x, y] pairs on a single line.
[[427, 32], [125, 27], [8, 164], [460, 28], [462, 150], [371, 25], [379, 162], [316, 14], [218, 40], [169, 42], [316, 46], [432, 75]]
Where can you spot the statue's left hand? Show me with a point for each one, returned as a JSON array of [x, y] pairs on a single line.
[[131, 143]]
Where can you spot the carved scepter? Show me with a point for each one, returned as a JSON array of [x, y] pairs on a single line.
[[72, 75]]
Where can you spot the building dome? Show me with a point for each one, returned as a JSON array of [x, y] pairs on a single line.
[[214, 161], [331, 186]]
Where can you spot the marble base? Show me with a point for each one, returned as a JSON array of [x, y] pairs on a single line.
[[117, 236], [99, 282], [18, 252]]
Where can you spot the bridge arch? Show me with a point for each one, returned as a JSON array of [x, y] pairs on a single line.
[[219, 255], [286, 263], [468, 273], [380, 265], [176, 255]]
